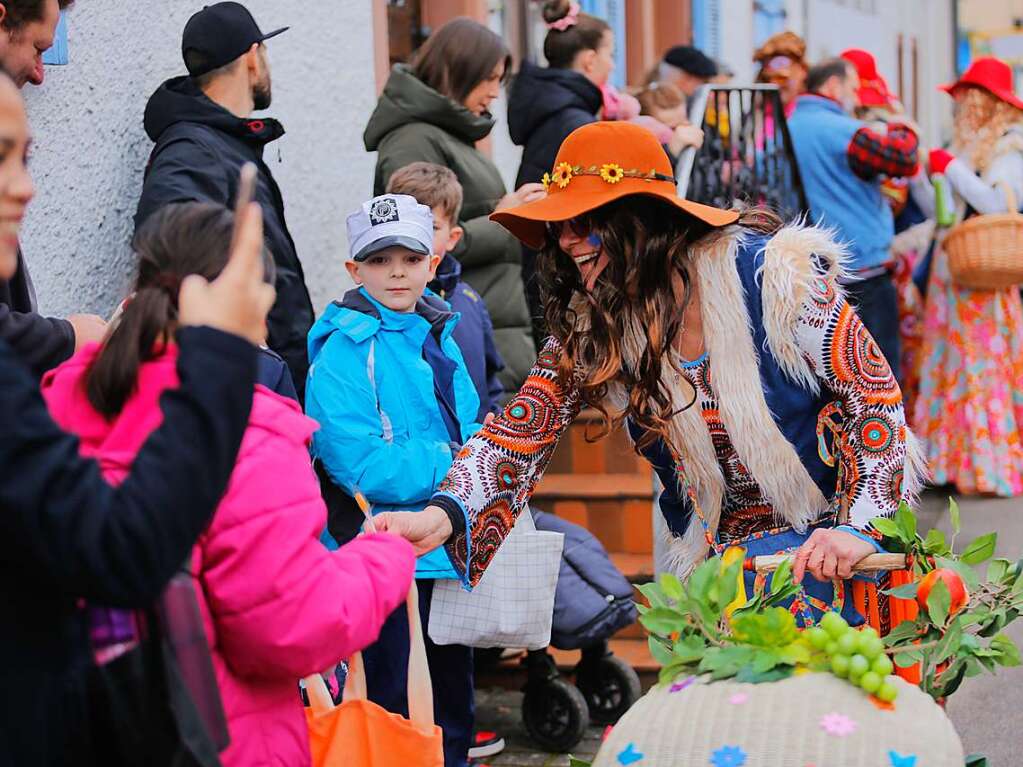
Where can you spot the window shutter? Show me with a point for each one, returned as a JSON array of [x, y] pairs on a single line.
[[707, 26]]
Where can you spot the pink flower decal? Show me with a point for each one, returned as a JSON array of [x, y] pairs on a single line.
[[739, 698], [838, 725], [680, 686]]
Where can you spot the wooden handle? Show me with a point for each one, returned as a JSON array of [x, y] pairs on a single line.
[[872, 563], [420, 686], [319, 696]]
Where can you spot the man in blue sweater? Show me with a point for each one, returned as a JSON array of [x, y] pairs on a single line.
[[842, 162]]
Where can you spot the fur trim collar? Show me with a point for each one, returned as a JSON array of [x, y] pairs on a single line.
[[793, 259], [788, 271], [734, 361]]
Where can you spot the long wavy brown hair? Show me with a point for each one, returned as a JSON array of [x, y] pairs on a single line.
[[981, 120], [648, 242]]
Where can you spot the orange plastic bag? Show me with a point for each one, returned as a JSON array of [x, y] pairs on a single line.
[[359, 733]]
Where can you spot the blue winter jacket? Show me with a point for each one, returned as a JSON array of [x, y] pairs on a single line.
[[379, 407], [838, 198], [474, 334]]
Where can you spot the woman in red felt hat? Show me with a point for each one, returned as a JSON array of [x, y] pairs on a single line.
[[969, 409], [723, 342]]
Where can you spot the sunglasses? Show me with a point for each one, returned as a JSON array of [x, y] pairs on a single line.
[[581, 226]]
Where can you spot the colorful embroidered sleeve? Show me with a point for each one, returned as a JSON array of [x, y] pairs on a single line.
[[868, 409], [894, 153], [494, 474]]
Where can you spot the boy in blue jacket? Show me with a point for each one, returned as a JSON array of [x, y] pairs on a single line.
[[437, 188], [394, 400]]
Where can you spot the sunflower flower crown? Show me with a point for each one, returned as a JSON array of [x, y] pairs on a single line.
[[610, 173]]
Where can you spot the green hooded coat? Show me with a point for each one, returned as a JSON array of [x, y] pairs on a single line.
[[413, 122]]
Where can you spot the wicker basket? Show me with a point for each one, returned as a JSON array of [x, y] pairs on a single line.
[[986, 252], [780, 724]]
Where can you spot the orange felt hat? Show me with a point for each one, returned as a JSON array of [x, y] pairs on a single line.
[[597, 164]]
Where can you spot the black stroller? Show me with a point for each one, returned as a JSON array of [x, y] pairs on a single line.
[[593, 600]]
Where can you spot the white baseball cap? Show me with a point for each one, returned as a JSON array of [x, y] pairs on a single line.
[[387, 221]]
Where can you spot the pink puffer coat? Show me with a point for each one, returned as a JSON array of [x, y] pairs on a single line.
[[277, 605]]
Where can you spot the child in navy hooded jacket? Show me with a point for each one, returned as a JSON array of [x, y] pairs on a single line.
[[437, 188]]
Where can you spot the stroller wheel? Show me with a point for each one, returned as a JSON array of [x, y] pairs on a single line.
[[555, 715], [610, 687]]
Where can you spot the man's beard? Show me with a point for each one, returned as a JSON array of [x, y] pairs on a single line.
[[262, 95]]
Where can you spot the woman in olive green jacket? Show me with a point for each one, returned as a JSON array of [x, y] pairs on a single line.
[[435, 110]]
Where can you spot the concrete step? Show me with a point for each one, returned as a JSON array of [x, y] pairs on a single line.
[[578, 453], [637, 568], [596, 487], [615, 508]]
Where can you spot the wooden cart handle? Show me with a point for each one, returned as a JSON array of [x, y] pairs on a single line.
[[872, 563]]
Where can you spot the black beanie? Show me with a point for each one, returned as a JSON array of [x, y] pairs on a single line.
[[691, 60]]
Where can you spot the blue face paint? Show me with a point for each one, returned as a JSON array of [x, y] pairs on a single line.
[[594, 239]]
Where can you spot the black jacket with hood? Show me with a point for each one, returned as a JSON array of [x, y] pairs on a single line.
[[41, 342], [72, 536], [545, 105], [200, 149]]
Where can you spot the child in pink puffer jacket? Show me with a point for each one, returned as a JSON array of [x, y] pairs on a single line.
[[277, 605]]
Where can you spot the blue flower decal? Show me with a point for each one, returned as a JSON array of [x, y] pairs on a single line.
[[630, 755], [728, 756], [901, 761]]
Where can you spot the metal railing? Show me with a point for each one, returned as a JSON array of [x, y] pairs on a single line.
[[746, 154]]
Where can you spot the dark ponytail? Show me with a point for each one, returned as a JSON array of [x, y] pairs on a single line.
[[178, 240], [561, 46]]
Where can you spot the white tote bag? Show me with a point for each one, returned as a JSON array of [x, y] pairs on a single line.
[[513, 604]]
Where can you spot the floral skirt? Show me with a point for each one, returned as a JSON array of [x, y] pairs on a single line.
[[969, 405], [910, 324]]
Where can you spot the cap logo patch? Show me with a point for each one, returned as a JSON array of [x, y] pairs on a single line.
[[383, 211]]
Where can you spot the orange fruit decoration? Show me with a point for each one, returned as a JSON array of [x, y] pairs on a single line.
[[956, 589]]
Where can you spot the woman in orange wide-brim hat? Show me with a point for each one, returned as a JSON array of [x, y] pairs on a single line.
[[722, 340]]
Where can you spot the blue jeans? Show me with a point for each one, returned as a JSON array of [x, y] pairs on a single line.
[[876, 303], [454, 702]]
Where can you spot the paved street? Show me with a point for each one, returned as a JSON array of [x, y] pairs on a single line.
[[987, 710]]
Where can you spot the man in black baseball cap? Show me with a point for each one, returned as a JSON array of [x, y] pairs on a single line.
[[216, 37], [219, 34], [204, 130]]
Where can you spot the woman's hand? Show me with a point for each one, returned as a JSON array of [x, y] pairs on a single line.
[[522, 195], [238, 300], [88, 329], [830, 554], [425, 530]]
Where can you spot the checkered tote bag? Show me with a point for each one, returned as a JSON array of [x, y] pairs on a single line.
[[513, 604]]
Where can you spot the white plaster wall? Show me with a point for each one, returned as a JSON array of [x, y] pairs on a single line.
[[830, 27], [90, 148], [506, 155], [736, 31]]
